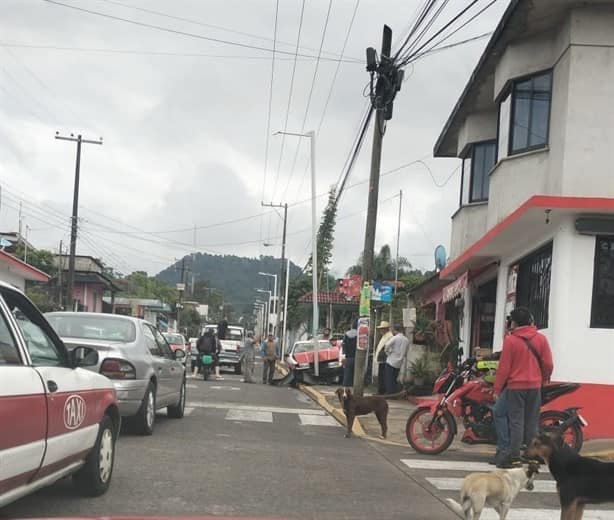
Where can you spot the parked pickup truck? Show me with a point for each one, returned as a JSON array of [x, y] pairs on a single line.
[[230, 354], [301, 361]]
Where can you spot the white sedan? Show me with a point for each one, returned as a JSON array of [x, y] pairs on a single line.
[[56, 419]]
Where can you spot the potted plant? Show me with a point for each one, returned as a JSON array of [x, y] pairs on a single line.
[[424, 330], [420, 369]]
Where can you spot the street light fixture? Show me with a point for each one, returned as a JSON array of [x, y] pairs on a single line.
[[314, 263], [275, 301]]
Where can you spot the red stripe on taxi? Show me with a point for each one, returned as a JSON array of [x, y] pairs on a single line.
[[23, 419]]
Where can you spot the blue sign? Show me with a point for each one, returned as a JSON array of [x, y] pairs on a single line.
[[381, 292]]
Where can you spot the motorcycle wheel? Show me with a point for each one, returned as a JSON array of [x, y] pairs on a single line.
[[429, 441], [205, 373], [551, 420]]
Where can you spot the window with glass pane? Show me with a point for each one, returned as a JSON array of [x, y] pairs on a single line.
[[8, 348], [602, 308], [504, 126], [531, 112], [483, 160], [533, 284]]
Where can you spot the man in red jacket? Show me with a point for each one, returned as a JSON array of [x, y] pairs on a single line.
[[525, 365]]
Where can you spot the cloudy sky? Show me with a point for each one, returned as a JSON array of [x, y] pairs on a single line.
[[184, 124]]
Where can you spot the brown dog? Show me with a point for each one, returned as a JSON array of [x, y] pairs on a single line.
[[353, 406]]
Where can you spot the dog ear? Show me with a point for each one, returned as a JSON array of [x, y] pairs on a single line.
[[349, 392]]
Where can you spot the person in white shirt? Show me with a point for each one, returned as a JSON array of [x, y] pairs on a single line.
[[396, 350]]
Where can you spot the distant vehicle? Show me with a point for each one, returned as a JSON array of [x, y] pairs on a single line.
[[56, 419], [230, 355], [301, 360], [145, 371], [175, 340]]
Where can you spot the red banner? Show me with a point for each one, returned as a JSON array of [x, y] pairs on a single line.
[[350, 287]]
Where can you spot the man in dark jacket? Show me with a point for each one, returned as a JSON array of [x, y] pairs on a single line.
[[525, 365], [222, 328], [349, 350]]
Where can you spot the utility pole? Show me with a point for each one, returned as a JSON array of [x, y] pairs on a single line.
[[60, 268], [180, 288], [382, 93], [396, 263], [75, 212], [279, 300], [19, 226]]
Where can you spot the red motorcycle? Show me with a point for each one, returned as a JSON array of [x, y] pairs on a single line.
[[467, 394]]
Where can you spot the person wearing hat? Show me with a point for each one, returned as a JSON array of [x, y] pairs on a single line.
[[380, 354]]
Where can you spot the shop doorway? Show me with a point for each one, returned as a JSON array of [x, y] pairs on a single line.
[[483, 307]]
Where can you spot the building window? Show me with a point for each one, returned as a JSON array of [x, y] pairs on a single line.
[[476, 168], [602, 308], [533, 284], [524, 115], [482, 161]]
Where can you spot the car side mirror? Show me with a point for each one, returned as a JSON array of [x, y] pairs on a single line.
[[178, 354], [84, 357]]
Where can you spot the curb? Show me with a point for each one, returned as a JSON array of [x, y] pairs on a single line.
[[604, 454]]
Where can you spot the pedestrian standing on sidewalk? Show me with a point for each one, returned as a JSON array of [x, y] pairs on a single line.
[[348, 346], [249, 356], [525, 366], [380, 355], [396, 350], [270, 354]]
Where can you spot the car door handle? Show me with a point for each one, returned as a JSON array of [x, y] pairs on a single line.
[[52, 386]]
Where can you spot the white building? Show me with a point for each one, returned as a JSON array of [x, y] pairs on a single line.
[[535, 129], [16, 272]]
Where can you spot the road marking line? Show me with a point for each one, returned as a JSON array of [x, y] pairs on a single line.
[[191, 386], [229, 388], [249, 415], [454, 484], [543, 514], [273, 409], [451, 465], [188, 411], [317, 420]]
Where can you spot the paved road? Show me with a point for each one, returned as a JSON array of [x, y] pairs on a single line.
[[247, 450]]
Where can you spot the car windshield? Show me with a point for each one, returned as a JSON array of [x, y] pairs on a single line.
[[107, 328], [234, 334], [174, 339]]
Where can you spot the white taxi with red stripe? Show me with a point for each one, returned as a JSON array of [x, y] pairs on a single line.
[[56, 418]]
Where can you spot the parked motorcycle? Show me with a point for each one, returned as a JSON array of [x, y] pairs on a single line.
[[467, 393]]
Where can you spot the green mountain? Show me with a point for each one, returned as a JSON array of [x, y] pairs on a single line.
[[237, 277]]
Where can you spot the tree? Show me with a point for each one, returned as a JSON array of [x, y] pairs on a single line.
[[325, 237], [383, 265], [42, 259], [139, 285]]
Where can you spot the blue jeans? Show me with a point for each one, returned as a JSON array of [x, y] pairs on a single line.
[[348, 372], [502, 425], [390, 379]]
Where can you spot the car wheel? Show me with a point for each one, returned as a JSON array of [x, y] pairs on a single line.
[[146, 417], [94, 477], [176, 411], [238, 369]]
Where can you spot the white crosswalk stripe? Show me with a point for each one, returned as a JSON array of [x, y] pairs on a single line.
[[454, 484], [435, 472], [318, 420], [249, 415]]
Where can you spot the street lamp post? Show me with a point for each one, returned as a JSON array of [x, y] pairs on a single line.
[[314, 253], [275, 301], [268, 318]]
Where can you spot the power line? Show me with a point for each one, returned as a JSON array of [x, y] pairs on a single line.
[[332, 86], [309, 97], [268, 121], [283, 137], [182, 33], [212, 26], [141, 52]]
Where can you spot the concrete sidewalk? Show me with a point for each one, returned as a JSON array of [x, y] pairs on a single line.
[[400, 410]]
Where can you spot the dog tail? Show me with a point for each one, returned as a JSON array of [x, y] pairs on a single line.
[[461, 510]]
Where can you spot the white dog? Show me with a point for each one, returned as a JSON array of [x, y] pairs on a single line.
[[498, 489]]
